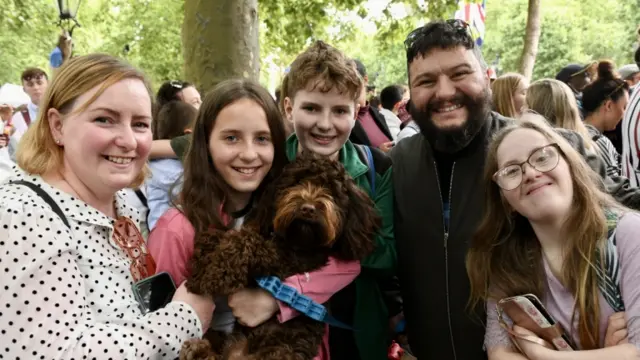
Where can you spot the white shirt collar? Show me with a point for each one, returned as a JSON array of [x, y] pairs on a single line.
[[33, 110]]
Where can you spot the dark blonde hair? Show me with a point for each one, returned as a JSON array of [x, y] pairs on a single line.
[[505, 257], [322, 68], [555, 101], [503, 89], [37, 151]]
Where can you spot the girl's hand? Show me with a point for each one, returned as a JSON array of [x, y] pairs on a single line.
[[616, 330], [252, 307], [531, 349]]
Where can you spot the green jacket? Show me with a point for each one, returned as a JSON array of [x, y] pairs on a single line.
[[371, 318]]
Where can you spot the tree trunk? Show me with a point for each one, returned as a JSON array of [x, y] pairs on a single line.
[[531, 39], [220, 41]]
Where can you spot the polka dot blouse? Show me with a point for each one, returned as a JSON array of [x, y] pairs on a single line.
[[66, 294]]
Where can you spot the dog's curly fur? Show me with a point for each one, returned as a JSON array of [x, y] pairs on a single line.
[[312, 211]]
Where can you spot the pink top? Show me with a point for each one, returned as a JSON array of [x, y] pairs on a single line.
[[375, 135], [171, 244], [559, 301]]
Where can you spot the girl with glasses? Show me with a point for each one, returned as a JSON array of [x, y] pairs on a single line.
[[549, 230]]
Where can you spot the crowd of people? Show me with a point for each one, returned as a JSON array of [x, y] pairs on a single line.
[[486, 188]]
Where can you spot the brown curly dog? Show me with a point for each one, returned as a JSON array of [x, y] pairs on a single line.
[[314, 210]]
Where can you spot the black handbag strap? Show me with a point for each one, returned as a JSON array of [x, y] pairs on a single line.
[[48, 199]]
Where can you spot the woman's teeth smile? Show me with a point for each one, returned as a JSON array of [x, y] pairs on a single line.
[[246, 171], [119, 160]]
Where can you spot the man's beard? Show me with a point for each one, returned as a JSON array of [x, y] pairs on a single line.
[[452, 140]]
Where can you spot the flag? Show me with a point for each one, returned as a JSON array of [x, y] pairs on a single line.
[[473, 13]]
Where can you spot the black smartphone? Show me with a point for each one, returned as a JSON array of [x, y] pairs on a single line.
[[154, 292]]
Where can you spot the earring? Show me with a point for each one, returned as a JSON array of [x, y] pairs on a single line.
[[58, 141]]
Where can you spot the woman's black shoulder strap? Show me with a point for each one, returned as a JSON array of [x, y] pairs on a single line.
[[46, 197]]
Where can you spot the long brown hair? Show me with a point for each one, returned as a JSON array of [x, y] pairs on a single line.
[[203, 189], [505, 257]]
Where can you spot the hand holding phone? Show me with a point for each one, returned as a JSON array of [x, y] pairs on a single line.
[[154, 292], [528, 312]]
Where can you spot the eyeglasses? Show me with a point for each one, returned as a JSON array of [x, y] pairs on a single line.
[[423, 31], [129, 239], [542, 159]]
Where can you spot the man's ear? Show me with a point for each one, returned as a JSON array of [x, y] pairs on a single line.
[[55, 125], [487, 78], [288, 108]]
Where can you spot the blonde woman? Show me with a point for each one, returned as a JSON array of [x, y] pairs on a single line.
[[70, 249], [509, 91], [544, 223], [555, 101]]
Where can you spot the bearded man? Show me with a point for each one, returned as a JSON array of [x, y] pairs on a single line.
[[439, 195]]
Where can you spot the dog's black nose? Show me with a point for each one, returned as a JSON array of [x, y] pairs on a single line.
[[308, 209]]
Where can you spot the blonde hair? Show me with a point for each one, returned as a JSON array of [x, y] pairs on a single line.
[[505, 258], [503, 89], [555, 101], [38, 152]]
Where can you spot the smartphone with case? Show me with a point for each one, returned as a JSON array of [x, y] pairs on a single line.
[[527, 311], [154, 292]]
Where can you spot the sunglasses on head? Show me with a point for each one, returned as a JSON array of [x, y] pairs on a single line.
[[420, 33], [176, 84]]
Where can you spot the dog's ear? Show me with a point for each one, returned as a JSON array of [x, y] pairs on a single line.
[[360, 227]]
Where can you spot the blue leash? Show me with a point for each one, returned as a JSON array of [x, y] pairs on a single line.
[[301, 303]]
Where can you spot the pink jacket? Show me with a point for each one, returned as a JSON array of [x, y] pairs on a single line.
[[171, 244]]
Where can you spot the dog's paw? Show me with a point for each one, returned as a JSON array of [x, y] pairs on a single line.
[[196, 349]]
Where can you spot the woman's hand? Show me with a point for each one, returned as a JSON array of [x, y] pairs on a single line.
[[203, 305], [252, 307], [531, 349], [616, 330]]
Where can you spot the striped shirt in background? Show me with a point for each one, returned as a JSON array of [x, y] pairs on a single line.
[[631, 141], [606, 150]]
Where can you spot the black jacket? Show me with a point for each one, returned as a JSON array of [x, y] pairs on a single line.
[[431, 264], [359, 135]]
